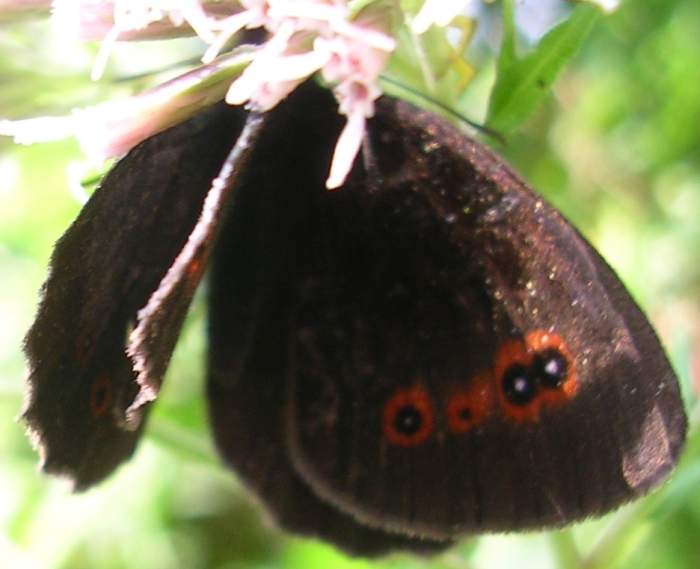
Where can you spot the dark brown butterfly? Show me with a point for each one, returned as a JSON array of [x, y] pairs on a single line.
[[428, 352]]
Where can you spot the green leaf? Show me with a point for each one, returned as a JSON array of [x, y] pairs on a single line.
[[522, 83]]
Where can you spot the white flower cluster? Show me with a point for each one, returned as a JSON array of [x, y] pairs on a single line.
[[349, 48]]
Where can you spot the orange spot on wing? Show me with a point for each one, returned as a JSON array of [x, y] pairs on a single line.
[[408, 417], [514, 353], [511, 352], [468, 408], [100, 396], [539, 341]]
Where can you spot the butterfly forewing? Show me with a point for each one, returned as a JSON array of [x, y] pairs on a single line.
[[103, 270]]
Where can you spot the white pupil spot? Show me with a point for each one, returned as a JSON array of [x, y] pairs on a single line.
[[552, 367], [521, 385]]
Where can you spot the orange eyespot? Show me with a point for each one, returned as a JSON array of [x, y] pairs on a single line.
[[512, 353], [408, 417], [100, 396], [554, 366], [466, 409], [514, 384], [534, 371]]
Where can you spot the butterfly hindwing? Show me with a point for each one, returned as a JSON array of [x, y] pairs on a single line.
[[429, 351]]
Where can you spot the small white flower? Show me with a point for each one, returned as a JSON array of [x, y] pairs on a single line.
[[354, 69]]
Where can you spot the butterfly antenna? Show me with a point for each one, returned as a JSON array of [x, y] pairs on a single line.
[[479, 127]]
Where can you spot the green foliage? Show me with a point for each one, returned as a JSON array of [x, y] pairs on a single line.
[[431, 65], [522, 83], [615, 146]]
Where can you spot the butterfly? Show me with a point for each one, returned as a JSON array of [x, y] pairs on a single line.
[[428, 352]]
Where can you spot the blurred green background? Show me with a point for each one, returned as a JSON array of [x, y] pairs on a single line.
[[616, 146]]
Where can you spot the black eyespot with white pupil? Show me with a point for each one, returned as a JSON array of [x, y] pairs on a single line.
[[522, 383], [519, 385], [551, 368], [408, 417], [408, 420]]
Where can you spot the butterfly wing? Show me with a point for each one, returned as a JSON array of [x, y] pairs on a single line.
[[262, 244], [103, 270], [429, 351]]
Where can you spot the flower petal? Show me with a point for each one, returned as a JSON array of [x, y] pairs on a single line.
[[346, 150]]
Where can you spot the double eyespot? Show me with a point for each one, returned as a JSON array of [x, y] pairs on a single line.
[[530, 373]]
